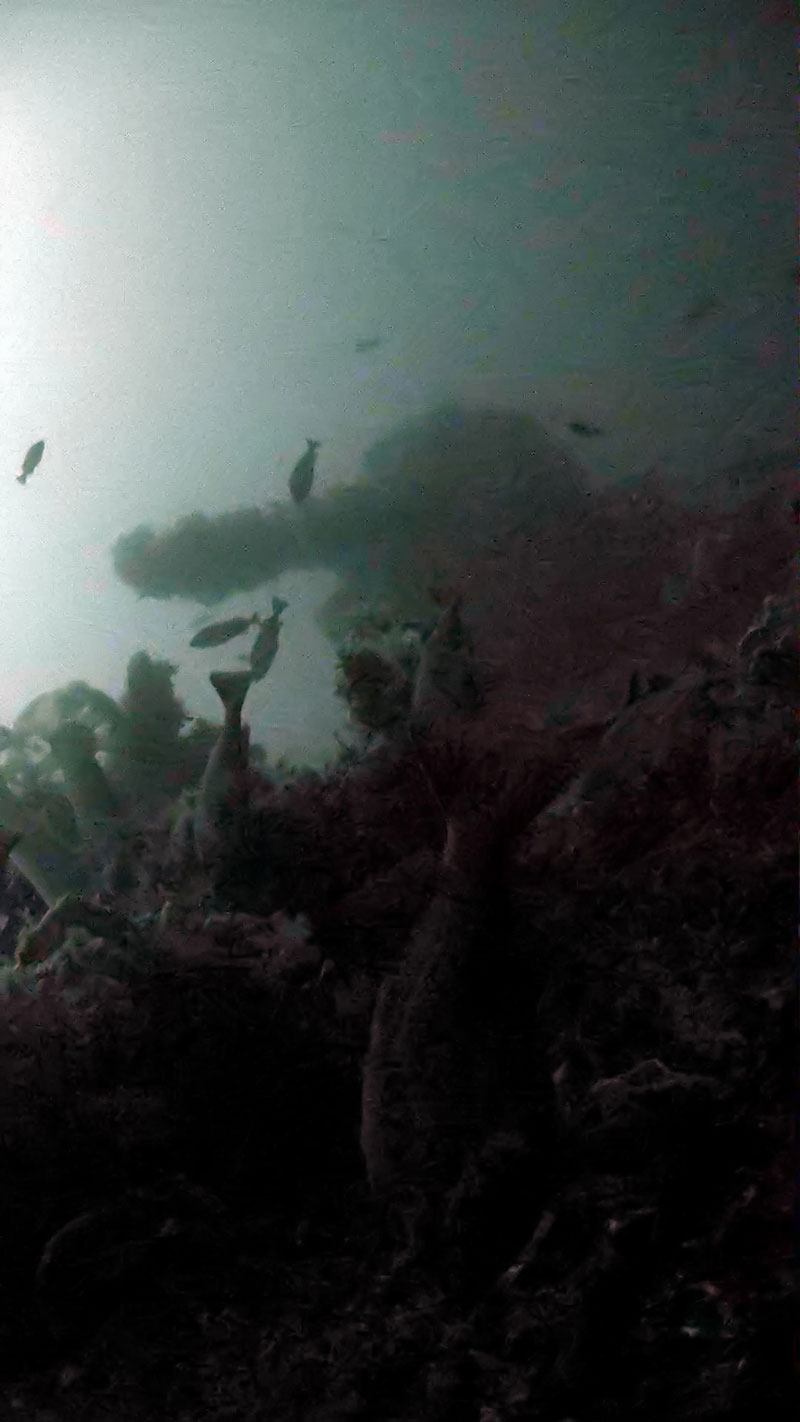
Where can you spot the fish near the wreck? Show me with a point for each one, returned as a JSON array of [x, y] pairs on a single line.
[[218, 632], [302, 476], [222, 800], [265, 647], [31, 461]]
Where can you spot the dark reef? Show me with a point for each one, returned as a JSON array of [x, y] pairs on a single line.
[[461, 1087]]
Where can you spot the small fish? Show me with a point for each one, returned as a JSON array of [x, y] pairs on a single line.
[[302, 476], [222, 797], [370, 344], [585, 431], [219, 632], [31, 461], [263, 650]]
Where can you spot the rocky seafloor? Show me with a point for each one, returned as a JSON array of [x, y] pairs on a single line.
[[581, 1131]]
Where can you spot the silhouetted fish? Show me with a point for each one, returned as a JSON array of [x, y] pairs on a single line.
[[302, 476], [222, 797], [31, 460], [262, 652], [370, 344], [219, 632]]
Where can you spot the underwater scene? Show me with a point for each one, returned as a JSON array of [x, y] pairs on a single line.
[[398, 712]]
